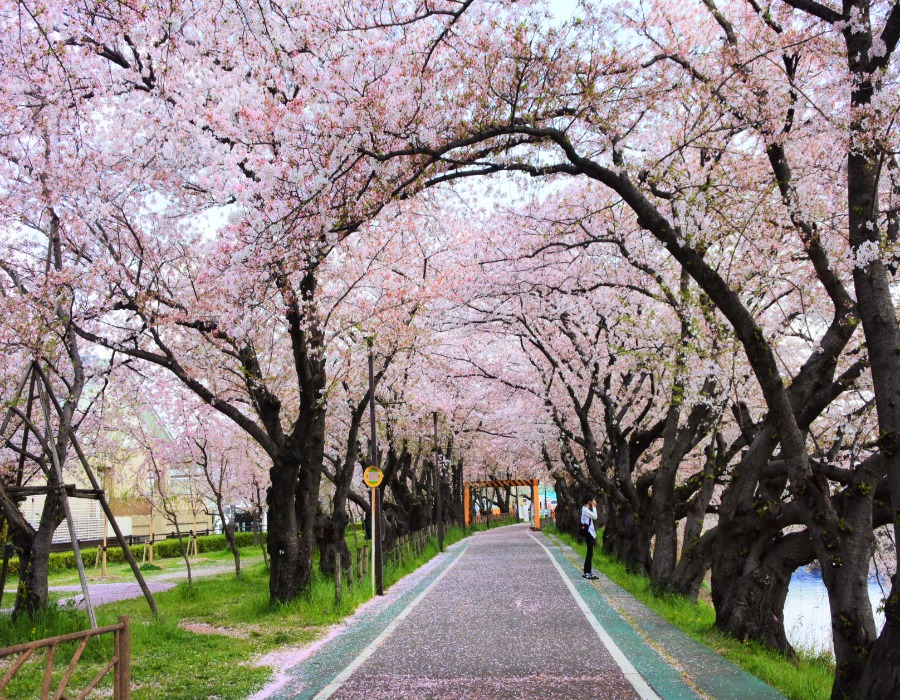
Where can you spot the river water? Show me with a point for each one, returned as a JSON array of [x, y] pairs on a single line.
[[807, 620]]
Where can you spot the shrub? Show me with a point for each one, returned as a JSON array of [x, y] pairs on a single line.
[[163, 549]]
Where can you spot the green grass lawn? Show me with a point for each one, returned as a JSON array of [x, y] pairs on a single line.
[[806, 678], [204, 642]]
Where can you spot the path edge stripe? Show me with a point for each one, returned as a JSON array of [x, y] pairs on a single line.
[[339, 680], [640, 685]]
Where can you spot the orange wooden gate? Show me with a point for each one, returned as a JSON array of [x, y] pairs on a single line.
[[535, 503]]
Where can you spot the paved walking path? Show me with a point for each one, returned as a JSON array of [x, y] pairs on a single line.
[[102, 593], [506, 615], [157, 582]]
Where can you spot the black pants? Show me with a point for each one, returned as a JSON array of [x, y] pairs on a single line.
[[589, 557]]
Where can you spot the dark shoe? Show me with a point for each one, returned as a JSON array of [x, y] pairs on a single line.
[[592, 576]]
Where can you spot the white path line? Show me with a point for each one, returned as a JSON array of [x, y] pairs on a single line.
[[339, 680], [635, 678]]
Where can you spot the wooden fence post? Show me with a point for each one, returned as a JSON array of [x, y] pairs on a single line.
[[122, 681], [338, 584]]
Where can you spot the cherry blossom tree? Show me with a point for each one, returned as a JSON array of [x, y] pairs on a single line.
[[49, 385], [175, 125], [191, 455], [381, 284], [676, 312], [601, 109]]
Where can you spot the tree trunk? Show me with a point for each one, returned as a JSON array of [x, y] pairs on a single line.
[[629, 527], [739, 593], [878, 663], [228, 531], [881, 677], [852, 625], [665, 550], [696, 546], [846, 579], [738, 529], [568, 508], [664, 503], [753, 608], [258, 520], [872, 670], [330, 540], [282, 540], [627, 537], [331, 529], [306, 503], [687, 578], [232, 545], [502, 499], [676, 443], [296, 474], [751, 582], [184, 550], [33, 549]]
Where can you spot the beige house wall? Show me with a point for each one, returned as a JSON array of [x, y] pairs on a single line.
[[134, 518], [141, 525]]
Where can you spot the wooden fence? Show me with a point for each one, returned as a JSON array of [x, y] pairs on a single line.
[[409, 547], [403, 550], [120, 663]]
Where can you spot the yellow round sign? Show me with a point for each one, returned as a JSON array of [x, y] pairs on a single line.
[[373, 476]]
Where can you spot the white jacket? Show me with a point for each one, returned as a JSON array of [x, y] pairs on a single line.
[[588, 516]]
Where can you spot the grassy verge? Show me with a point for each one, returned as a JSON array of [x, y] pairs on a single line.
[[204, 641], [807, 678]]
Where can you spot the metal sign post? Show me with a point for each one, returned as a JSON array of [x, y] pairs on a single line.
[[439, 480], [379, 543], [376, 494], [372, 477], [372, 530]]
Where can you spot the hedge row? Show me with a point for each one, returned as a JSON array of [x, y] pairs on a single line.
[[163, 549]]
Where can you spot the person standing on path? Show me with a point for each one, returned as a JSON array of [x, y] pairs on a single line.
[[588, 516]]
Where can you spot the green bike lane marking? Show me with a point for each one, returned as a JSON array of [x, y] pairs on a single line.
[[645, 660], [325, 669], [669, 660]]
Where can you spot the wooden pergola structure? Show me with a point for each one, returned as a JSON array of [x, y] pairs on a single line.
[[504, 483]]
